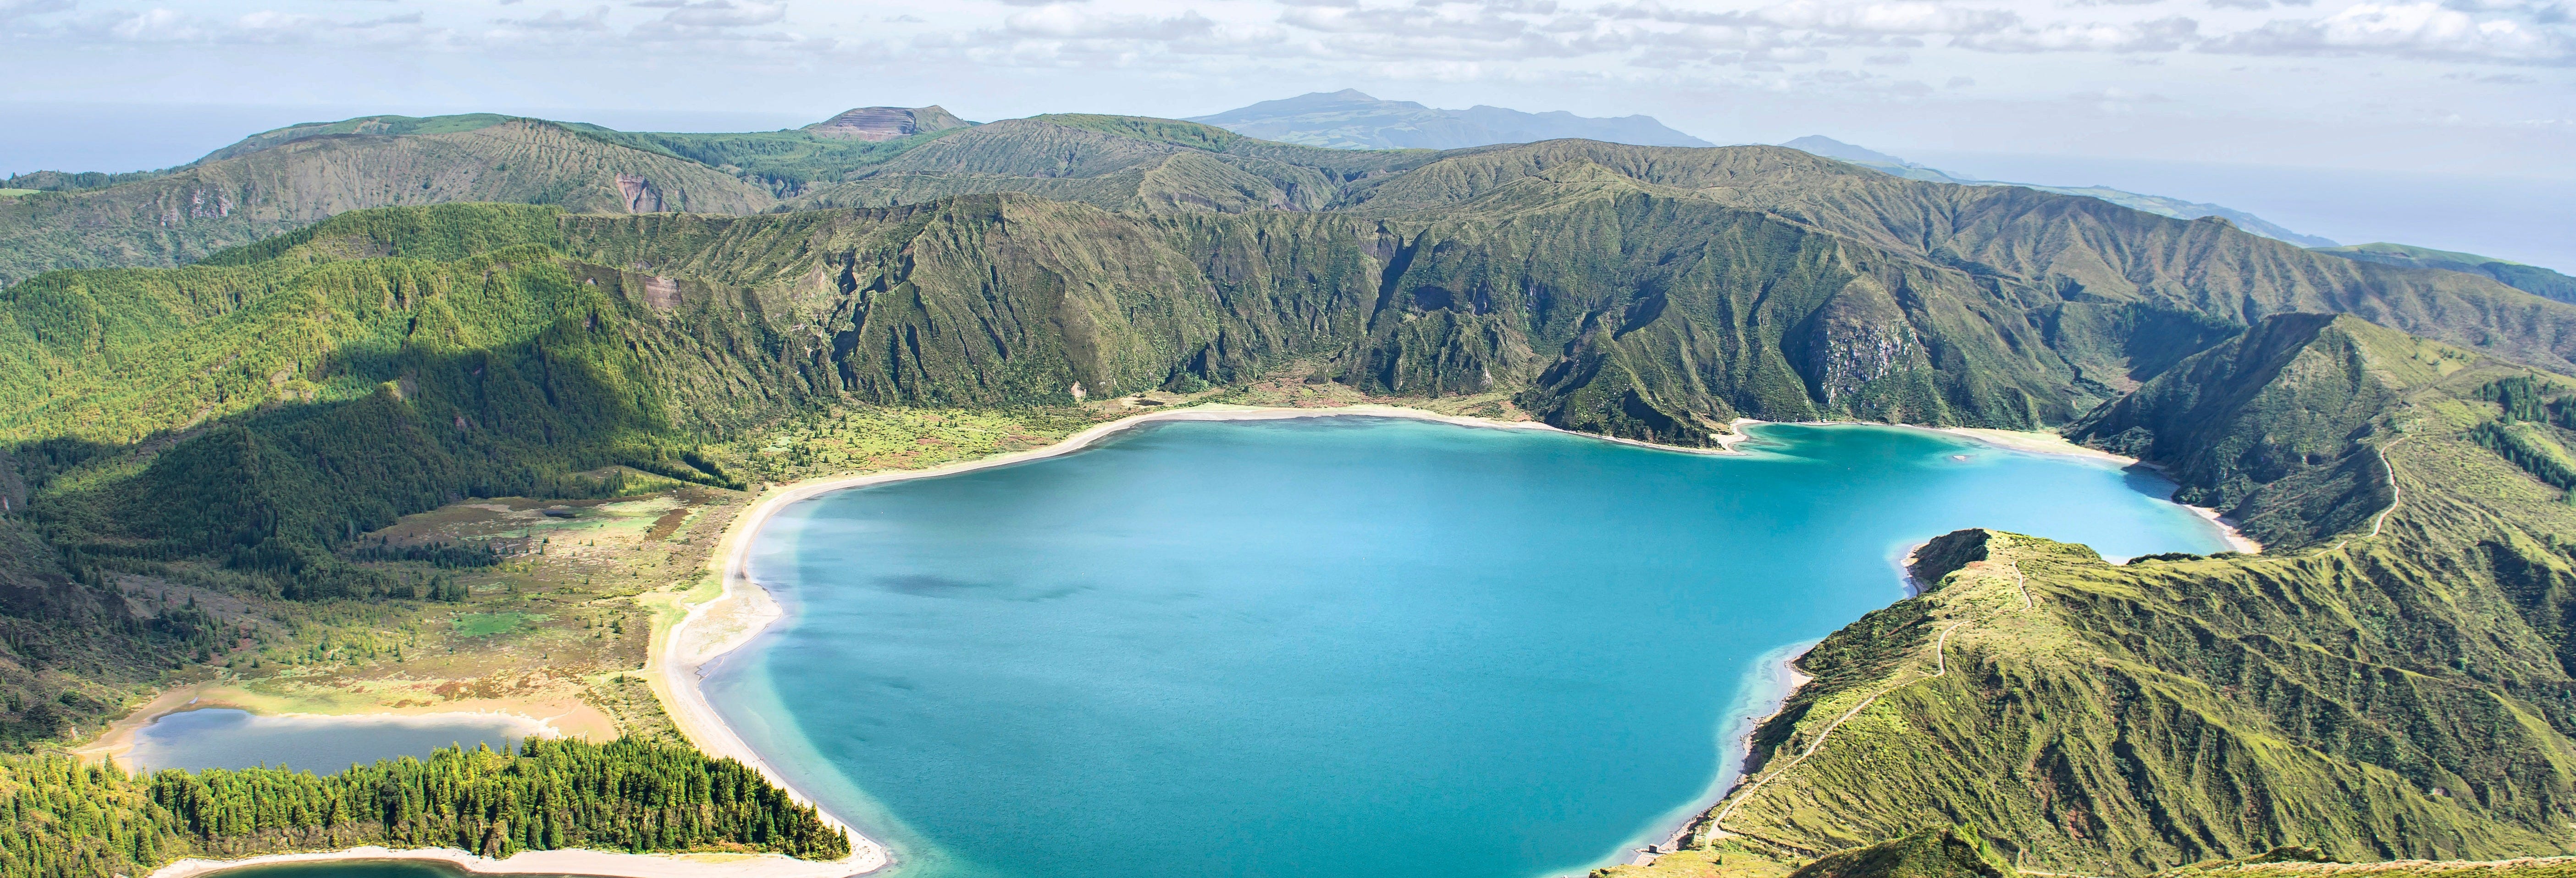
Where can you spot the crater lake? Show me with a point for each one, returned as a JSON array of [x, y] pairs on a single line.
[[1345, 647]]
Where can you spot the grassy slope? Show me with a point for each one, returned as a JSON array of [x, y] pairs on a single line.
[[2405, 695], [2529, 867], [1946, 852]]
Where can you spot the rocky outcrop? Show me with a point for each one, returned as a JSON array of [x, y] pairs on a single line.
[[639, 194]]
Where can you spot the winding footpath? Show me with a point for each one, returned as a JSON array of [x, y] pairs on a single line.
[[2396, 493]]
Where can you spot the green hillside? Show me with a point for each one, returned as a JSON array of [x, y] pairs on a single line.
[[2378, 684], [1948, 852]]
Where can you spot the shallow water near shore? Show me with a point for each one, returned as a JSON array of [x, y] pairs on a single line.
[[228, 738], [1344, 647]]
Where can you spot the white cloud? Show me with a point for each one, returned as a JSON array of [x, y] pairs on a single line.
[[726, 13], [10, 9], [259, 27], [1063, 22], [2419, 30], [2159, 35], [594, 21]]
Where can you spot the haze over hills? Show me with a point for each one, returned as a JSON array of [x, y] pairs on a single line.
[[1349, 119], [2155, 204], [244, 423], [2528, 278], [2532, 279]]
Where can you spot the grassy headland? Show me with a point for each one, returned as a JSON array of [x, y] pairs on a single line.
[[2376, 697]]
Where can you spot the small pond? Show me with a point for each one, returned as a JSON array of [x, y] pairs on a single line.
[[228, 738]]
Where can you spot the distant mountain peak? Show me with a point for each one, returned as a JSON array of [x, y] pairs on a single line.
[[1352, 119], [886, 123]]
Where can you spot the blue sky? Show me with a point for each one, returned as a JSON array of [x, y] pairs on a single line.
[[2482, 89]]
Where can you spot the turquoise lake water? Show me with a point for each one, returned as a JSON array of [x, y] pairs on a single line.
[[1344, 647], [227, 738]]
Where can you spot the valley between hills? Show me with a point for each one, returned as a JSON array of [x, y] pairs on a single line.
[[426, 413]]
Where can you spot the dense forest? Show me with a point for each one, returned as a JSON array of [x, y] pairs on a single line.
[[60, 817]]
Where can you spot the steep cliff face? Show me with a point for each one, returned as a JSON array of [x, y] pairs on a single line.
[[1617, 308]]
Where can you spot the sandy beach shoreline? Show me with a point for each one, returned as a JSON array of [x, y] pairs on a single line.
[[2051, 443]]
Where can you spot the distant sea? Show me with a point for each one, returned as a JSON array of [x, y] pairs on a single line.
[[2522, 219]]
